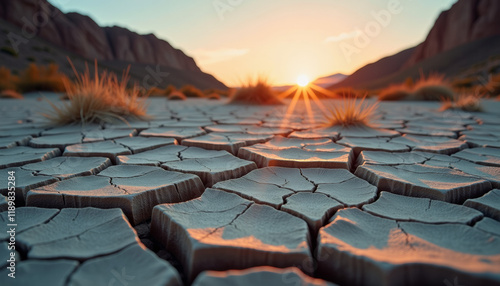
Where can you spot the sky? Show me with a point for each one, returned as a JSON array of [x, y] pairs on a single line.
[[235, 40]]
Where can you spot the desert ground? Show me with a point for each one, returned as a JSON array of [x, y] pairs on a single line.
[[210, 193]]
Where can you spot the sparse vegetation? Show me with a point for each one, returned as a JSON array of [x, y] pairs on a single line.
[[346, 92], [191, 91], [395, 92], [41, 78], [9, 51], [97, 99], [219, 92], [176, 95], [213, 96], [352, 112], [258, 92], [170, 89], [155, 91], [466, 102], [10, 94], [8, 81], [434, 87], [493, 86], [31, 59]]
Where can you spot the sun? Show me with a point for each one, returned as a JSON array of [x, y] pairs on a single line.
[[302, 80]]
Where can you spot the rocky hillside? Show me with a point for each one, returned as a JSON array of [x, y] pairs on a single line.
[[464, 36], [80, 35], [465, 22]]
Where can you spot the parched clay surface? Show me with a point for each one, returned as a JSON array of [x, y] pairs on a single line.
[[84, 247], [223, 231], [394, 251], [134, 189]]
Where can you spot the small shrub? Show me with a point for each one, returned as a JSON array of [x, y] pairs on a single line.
[[8, 81], [9, 51], [213, 96], [176, 95], [395, 92], [352, 112], [464, 83], [258, 92], [409, 83], [434, 87], [493, 86], [210, 91], [191, 91], [466, 102], [348, 92], [40, 78], [31, 59], [97, 99], [155, 91], [170, 89], [10, 94]]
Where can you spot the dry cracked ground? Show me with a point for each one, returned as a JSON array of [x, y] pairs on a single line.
[[213, 194]]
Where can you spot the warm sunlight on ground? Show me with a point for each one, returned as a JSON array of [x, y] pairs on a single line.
[[302, 80]]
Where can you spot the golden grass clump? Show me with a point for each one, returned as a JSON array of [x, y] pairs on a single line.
[[465, 102], [191, 91], [258, 92], [8, 81], [493, 86], [97, 99], [395, 92], [155, 91], [434, 87], [41, 78], [176, 95], [9, 93], [352, 112], [213, 96]]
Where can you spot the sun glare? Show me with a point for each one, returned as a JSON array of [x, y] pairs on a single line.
[[302, 80]]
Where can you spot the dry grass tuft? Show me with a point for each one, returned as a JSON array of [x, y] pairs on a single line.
[[41, 78], [97, 99], [176, 95], [493, 86], [465, 102], [191, 91], [8, 81], [434, 87], [213, 96], [395, 92], [258, 92], [9, 93], [352, 112]]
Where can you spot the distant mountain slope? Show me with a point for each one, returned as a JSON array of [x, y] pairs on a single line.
[[451, 63], [465, 35], [329, 80], [379, 69], [78, 34], [466, 21]]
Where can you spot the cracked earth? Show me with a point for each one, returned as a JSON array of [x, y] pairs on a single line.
[[213, 194]]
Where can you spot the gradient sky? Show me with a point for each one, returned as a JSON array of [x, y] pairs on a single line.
[[280, 39]]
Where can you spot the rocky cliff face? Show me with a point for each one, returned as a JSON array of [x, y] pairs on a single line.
[[81, 35], [464, 22]]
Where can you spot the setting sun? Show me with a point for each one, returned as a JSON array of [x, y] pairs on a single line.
[[302, 80]]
